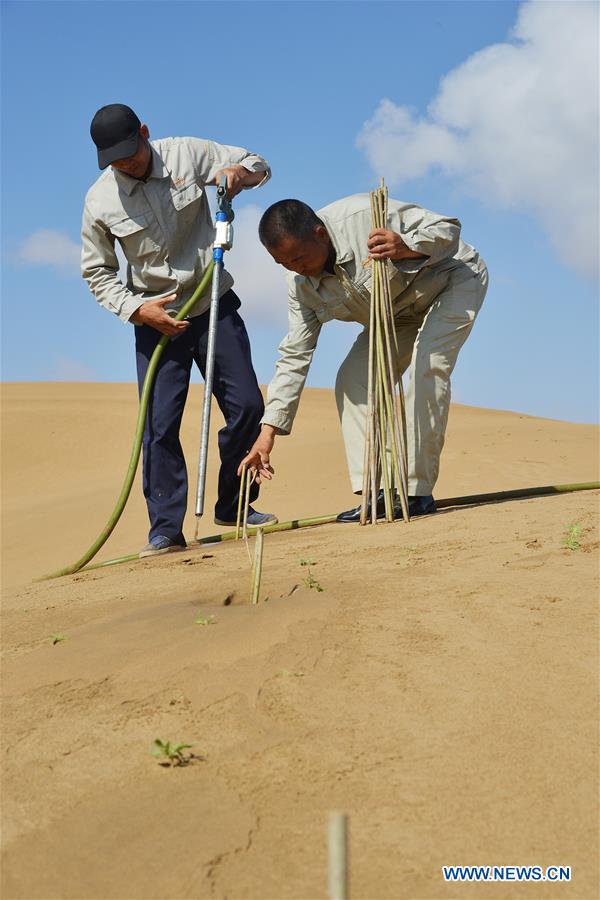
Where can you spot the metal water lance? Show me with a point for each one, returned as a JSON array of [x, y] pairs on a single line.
[[223, 241]]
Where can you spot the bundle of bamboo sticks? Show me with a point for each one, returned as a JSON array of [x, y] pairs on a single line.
[[385, 460]]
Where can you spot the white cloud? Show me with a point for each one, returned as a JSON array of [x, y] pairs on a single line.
[[47, 247], [259, 281], [517, 123]]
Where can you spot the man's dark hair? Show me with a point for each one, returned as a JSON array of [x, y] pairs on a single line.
[[287, 218]]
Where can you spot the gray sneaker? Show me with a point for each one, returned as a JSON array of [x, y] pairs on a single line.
[[160, 544], [255, 519]]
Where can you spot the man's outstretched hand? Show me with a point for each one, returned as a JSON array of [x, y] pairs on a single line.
[[259, 457]]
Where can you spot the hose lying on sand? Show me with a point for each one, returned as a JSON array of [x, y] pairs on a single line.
[[139, 433], [472, 500]]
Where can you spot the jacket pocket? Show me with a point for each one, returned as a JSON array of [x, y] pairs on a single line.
[[189, 193], [187, 215], [134, 238]]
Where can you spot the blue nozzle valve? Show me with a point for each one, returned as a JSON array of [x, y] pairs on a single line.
[[223, 202], [223, 219]]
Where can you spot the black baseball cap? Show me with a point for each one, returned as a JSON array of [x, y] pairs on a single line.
[[115, 130]]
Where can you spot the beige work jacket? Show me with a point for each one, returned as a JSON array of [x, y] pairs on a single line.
[[346, 294], [163, 225]]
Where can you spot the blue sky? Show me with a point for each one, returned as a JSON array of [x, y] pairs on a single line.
[[454, 103]]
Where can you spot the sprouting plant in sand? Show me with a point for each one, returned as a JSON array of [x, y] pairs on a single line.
[[308, 562], [171, 754], [205, 620], [311, 582], [571, 538], [58, 638], [287, 673]]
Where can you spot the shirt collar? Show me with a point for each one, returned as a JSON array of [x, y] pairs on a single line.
[[343, 252], [128, 184]]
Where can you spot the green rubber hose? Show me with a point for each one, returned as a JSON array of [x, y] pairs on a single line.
[[139, 433], [471, 500]]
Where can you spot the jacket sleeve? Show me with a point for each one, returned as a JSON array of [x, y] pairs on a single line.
[[209, 157], [427, 232], [100, 268], [291, 369]]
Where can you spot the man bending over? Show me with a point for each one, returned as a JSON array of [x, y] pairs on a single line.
[[438, 283]]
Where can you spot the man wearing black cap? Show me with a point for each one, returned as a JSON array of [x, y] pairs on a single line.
[[151, 199]]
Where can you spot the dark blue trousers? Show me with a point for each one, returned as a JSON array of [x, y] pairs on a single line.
[[237, 393]]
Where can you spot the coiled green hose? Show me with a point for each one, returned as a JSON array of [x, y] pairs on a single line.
[[139, 433]]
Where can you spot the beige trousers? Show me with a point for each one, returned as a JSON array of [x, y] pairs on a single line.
[[428, 345]]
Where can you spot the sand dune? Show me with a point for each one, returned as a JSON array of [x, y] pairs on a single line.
[[441, 688], [66, 449]]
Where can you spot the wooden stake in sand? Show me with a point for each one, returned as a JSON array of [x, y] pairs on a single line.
[[337, 853], [385, 459], [256, 576]]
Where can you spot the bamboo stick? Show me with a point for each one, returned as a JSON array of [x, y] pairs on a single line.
[[396, 358], [387, 401], [398, 399], [249, 480], [238, 521], [256, 576], [373, 476], [388, 502], [369, 467], [337, 853], [395, 408], [382, 402], [396, 375], [369, 450]]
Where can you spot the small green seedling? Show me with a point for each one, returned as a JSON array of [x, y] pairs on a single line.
[[57, 638], [308, 562], [172, 754], [203, 620], [312, 583], [571, 539], [287, 673]]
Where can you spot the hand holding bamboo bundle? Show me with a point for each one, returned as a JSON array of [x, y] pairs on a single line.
[[385, 459]]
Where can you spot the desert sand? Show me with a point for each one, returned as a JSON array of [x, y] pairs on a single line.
[[441, 688]]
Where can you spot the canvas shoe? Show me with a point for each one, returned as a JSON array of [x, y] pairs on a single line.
[[161, 544], [255, 519]]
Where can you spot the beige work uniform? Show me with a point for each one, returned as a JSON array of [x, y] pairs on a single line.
[[163, 225], [436, 300]]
